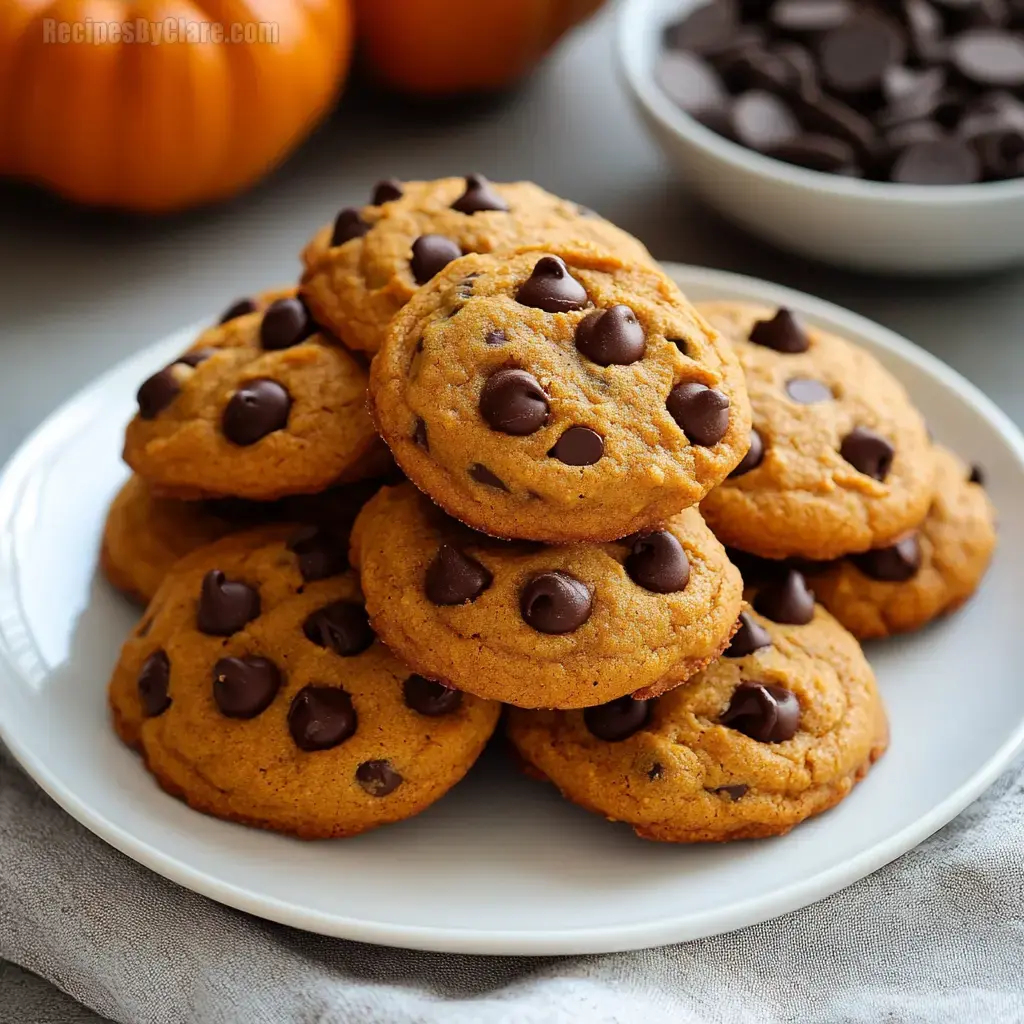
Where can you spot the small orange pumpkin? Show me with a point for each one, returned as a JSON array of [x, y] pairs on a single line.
[[158, 105], [439, 47]]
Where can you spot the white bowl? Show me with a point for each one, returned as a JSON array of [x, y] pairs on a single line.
[[869, 225]]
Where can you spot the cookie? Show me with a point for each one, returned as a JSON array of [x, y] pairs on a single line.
[[563, 626], [558, 395], [144, 536], [260, 406], [257, 692], [361, 270], [779, 729], [924, 575], [839, 459]]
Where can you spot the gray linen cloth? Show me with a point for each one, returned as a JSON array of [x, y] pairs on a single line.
[[936, 937]]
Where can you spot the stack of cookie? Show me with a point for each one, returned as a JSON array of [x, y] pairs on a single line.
[[330, 637]]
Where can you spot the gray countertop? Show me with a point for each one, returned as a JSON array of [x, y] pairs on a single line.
[[79, 292]]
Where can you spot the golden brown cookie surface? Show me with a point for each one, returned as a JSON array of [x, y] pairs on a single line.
[[257, 691], [839, 461], [928, 573], [777, 730], [535, 626], [259, 407], [362, 269], [558, 395]]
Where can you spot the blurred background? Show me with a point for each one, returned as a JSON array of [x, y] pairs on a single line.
[[81, 287]]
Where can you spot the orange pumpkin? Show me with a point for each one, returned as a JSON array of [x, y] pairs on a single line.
[[438, 47], [157, 105]]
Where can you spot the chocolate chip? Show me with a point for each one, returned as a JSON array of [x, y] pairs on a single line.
[[196, 356], [611, 336], [977, 476], [321, 717], [989, 58], [419, 435], [762, 121], [807, 391], [378, 778], [658, 562], [750, 637], [767, 713], [656, 771], [386, 191], [782, 333], [754, 456], [430, 698], [946, 162], [708, 29], [482, 475], [479, 196], [286, 322], [924, 28], [618, 719], [578, 446], [1001, 154], [495, 338], [348, 225], [702, 412], [732, 792], [341, 626], [243, 307], [911, 94], [256, 409], [513, 402], [552, 288], [225, 606], [157, 392], [320, 554], [830, 116], [430, 255], [694, 86], [855, 56], [810, 16], [245, 687], [816, 153], [153, 682], [555, 602], [869, 453], [895, 564], [455, 578], [788, 600], [802, 75]]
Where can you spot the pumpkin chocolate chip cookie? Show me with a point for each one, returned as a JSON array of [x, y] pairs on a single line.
[[925, 574], [563, 626], [144, 536], [260, 406], [257, 692], [839, 459], [558, 395], [777, 730], [360, 270]]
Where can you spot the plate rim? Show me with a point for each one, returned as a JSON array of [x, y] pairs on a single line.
[[571, 941]]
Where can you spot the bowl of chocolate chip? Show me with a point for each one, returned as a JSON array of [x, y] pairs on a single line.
[[885, 136]]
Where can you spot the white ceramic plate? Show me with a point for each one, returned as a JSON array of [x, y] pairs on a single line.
[[501, 865]]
